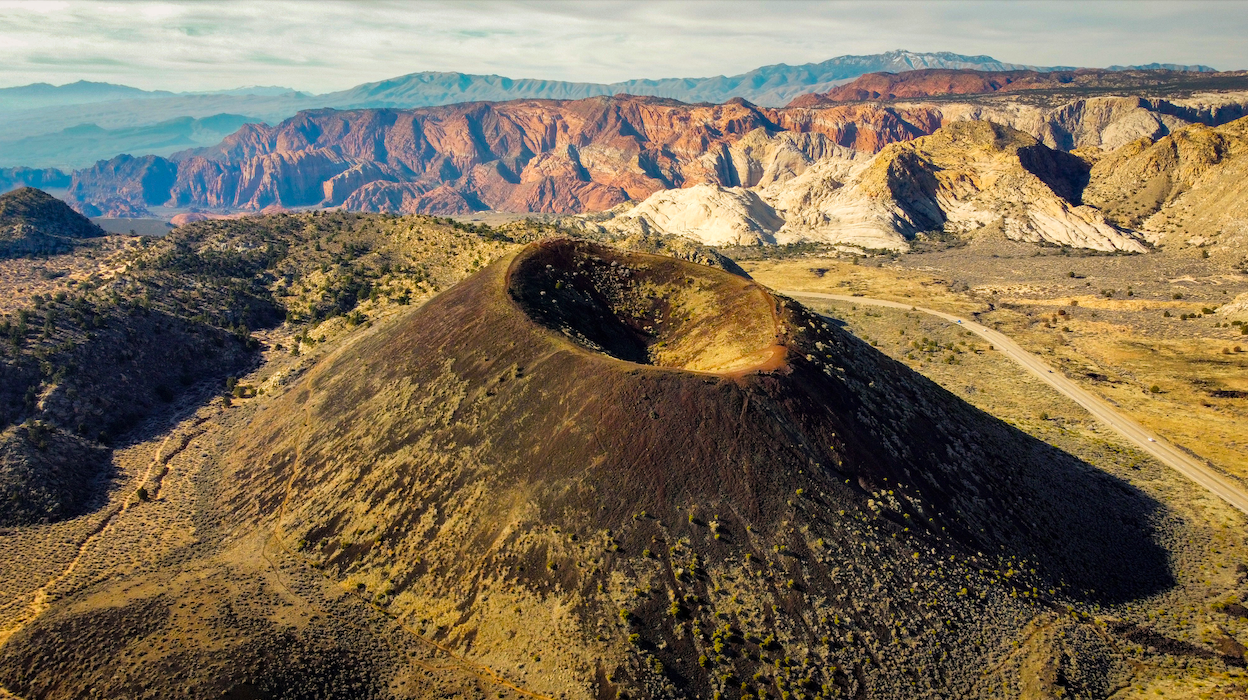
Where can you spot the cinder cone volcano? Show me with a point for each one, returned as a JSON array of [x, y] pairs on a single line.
[[602, 472]]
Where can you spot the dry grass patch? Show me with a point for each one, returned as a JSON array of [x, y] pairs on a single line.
[[837, 276]]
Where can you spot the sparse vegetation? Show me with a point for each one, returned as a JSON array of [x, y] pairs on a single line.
[[896, 588]]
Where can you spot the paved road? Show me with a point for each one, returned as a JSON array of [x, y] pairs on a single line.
[[1151, 443]]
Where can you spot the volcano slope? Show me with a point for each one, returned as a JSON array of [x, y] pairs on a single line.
[[589, 473], [604, 472]]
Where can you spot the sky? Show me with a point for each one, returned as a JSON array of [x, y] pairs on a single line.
[[327, 45]]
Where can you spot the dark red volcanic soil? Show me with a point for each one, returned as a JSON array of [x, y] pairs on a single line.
[[593, 439]]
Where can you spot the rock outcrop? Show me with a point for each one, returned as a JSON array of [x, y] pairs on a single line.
[[1186, 188], [140, 181], [710, 214], [966, 178], [1237, 309]]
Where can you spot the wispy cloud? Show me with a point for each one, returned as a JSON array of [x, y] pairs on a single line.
[[320, 46]]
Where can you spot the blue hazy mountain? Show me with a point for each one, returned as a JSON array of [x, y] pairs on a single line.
[[37, 95], [34, 119], [86, 143]]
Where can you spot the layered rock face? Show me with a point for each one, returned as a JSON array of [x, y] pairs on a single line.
[[967, 178], [574, 156], [539, 156]]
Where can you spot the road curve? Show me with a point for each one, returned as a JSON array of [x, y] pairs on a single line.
[[1150, 442]]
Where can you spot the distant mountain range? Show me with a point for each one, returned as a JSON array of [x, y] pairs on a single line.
[[120, 113], [572, 156], [936, 82], [87, 143], [38, 95], [768, 86]]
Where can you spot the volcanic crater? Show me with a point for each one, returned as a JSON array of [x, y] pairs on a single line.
[[648, 309]]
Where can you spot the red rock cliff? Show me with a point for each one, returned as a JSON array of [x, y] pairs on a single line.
[[524, 155]]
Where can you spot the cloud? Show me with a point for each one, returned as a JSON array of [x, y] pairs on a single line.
[[321, 46]]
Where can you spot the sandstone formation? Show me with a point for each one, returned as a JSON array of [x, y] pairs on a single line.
[[1187, 188], [577, 156], [1237, 309], [139, 181], [708, 213], [966, 178]]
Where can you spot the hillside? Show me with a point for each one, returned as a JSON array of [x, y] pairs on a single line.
[[101, 347], [97, 353], [32, 222], [494, 471], [1186, 189]]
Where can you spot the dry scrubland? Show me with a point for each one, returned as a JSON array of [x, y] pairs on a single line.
[[138, 527], [686, 594], [1115, 339], [336, 275], [162, 590]]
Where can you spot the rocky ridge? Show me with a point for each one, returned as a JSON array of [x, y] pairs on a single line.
[[15, 178], [1188, 188], [33, 222], [576, 156]]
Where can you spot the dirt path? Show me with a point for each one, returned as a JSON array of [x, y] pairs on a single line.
[[1151, 443], [42, 596]]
